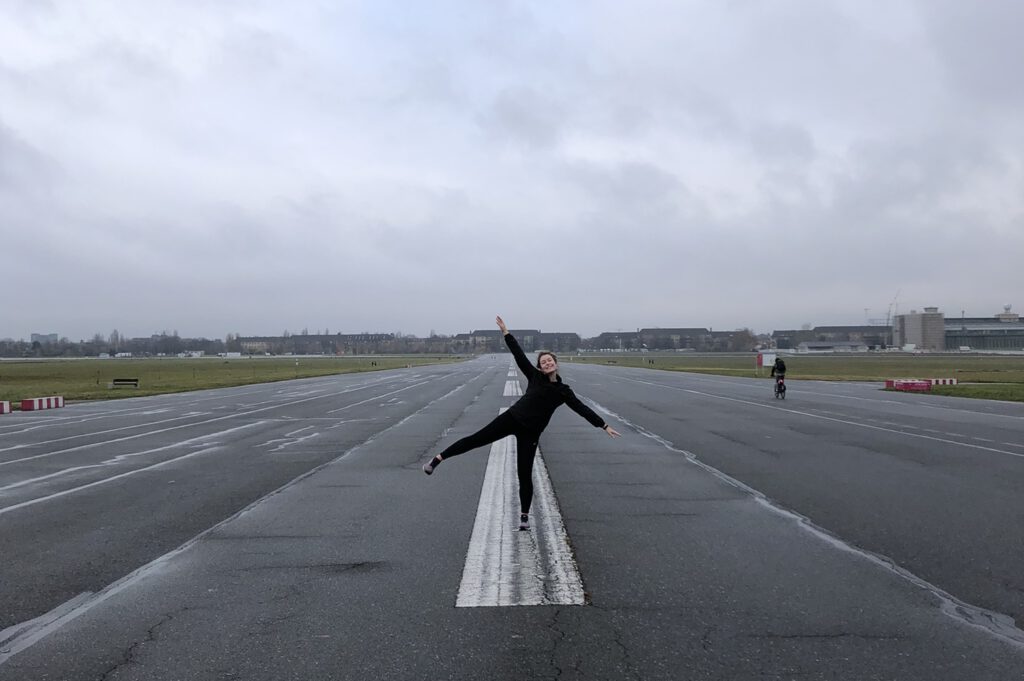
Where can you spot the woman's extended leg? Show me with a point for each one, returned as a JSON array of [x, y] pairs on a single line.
[[500, 427], [526, 449]]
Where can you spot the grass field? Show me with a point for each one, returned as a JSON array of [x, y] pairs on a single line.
[[88, 379], [998, 377]]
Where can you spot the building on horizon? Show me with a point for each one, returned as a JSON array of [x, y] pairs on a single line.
[[922, 330], [1003, 331], [870, 336]]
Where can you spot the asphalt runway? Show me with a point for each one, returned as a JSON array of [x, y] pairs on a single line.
[[285, 531]]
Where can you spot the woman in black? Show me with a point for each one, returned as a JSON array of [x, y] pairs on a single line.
[[526, 419]]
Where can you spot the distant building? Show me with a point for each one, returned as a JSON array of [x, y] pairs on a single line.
[[318, 344], [1004, 331], [559, 341], [924, 330], [490, 340], [44, 338], [616, 340], [872, 336], [832, 346], [674, 338]]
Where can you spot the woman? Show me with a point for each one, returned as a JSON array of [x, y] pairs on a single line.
[[526, 419]]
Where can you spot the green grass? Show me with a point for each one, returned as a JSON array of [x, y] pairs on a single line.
[[87, 379], [999, 377]]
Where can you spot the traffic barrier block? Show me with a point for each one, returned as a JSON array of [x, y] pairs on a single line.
[[5, 407], [34, 403], [912, 385]]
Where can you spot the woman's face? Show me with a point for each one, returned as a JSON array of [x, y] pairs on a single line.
[[548, 365]]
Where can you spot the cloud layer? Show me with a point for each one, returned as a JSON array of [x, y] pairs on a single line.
[[248, 167]]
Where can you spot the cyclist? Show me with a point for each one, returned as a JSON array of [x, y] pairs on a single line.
[[778, 372]]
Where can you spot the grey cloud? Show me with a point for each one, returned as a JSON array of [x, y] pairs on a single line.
[[782, 141], [980, 46], [916, 174], [523, 115], [364, 169], [24, 169]]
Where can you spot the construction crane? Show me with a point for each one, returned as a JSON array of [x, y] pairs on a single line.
[[893, 308], [890, 317]]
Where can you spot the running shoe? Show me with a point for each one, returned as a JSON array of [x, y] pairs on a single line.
[[429, 466], [524, 522]]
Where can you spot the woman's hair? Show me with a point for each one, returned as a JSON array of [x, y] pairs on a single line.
[[545, 352]]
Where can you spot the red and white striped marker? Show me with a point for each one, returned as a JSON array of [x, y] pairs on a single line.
[[894, 382], [42, 403], [5, 407]]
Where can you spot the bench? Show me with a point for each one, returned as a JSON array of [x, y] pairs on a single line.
[[123, 382]]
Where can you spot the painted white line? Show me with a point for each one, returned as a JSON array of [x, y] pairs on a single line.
[[829, 418], [562, 581], [94, 433], [512, 389], [32, 502], [120, 458], [490, 576], [758, 386], [22, 636], [506, 567], [991, 622], [291, 439], [275, 405]]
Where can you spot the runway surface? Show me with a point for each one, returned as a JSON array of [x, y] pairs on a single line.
[[286, 531]]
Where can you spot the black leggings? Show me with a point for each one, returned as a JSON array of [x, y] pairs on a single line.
[[526, 447]]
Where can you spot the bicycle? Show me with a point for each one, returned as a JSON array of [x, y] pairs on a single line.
[[780, 387]]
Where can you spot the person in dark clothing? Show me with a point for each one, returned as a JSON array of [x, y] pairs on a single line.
[[526, 419], [779, 373]]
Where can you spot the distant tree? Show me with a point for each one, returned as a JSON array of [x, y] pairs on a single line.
[[743, 340]]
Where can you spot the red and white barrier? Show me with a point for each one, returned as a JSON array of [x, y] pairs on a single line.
[[42, 403], [910, 384], [5, 407], [895, 383]]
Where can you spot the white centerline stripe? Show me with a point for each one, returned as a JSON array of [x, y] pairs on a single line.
[[512, 389], [506, 567]]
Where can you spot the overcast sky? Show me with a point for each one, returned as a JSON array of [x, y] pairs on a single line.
[[253, 167]]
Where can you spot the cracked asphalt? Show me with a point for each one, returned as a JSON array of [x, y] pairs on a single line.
[[725, 536]]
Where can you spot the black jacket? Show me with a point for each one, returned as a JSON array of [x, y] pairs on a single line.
[[779, 368], [543, 396]]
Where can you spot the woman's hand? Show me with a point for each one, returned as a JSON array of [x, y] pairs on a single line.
[[611, 431], [501, 325]]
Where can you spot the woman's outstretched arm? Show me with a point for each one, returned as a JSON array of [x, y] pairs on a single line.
[[589, 414], [517, 352]]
